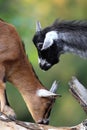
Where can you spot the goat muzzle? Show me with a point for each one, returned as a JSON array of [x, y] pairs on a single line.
[[44, 121]]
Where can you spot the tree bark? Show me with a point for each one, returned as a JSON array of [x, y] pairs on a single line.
[[79, 92], [7, 124]]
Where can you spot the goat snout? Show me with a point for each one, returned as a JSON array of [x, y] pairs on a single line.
[[44, 64], [43, 121]]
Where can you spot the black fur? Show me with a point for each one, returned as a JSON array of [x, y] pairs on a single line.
[[74, 25], [72, 34]]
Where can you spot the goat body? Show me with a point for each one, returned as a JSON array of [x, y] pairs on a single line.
[[60, 37], [15, 68]]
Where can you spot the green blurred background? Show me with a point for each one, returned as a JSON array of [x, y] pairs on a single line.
[[23, 14]]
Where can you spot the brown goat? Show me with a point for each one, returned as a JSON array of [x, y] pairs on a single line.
[[15, 68]]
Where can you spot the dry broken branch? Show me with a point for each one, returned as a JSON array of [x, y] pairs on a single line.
[[8, 124], [77, 90]]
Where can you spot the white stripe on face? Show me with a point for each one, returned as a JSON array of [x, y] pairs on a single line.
[[50, 36]]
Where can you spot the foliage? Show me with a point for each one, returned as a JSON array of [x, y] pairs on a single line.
[[23, 14]]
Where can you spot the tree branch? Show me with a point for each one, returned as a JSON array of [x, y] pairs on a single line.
[[8, 124], [79, 92]]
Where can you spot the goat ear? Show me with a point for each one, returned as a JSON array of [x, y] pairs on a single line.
[[52, 92], [38, 26], [45, 93]]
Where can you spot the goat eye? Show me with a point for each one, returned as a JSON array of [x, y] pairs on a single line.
[[39, 45]]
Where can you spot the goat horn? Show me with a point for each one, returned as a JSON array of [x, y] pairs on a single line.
[[38, 26], [54, 87]]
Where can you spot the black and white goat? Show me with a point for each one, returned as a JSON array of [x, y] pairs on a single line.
[[60, 37]]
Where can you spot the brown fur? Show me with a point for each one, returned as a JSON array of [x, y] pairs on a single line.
[[16, 68]]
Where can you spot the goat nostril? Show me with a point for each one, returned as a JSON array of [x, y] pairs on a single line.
[[44, 121]]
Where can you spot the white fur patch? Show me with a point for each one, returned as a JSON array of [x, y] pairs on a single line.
[[43, 61], [45, 93], [50, 36]]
